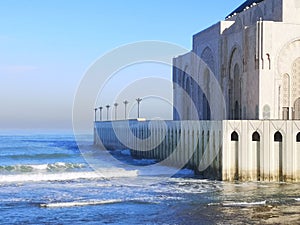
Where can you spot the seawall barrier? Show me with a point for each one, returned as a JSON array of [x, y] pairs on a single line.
[[245, 150]]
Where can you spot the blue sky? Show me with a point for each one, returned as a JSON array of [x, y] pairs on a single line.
[[46, 47]]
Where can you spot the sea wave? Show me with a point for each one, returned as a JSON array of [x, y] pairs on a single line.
[[39, 156], [140, 200], [79, 203], [244, 203], [52, 167], [66, 176]]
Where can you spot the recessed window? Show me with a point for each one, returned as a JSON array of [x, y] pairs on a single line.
[[298, 137], [277, 137], [234, 136], [255, 136]]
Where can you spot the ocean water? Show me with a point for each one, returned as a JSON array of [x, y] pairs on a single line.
[[47, 179]]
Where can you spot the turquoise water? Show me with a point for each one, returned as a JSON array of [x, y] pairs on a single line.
[[45, 179]]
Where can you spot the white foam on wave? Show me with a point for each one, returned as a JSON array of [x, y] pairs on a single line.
[[78, 203], [67, 176], [297, 199], [47, 177], [190, 186], [146, 200], [41, 167], [244, 203], [213, 204]]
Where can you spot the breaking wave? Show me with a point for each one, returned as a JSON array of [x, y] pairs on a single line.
[[78, 203], [51, 167], [57, 175], [141, 200], [244, 204]]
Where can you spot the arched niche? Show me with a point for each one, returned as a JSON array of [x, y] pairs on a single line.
[[278, 137], [234, 136], [255, 136], [298, 137]]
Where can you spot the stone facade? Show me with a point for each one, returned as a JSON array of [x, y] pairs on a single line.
[[254, 57]]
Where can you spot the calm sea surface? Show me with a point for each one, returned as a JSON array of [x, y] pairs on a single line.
[[45, 179]]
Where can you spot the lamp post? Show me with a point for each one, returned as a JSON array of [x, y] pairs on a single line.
[[125, 103], [138, 102], [95, 114], [116, 106], [107, 109], [100, 108]]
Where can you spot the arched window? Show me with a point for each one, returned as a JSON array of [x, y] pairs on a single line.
[[277, 137], [234, 136], [188, 86], [237, 92], [235, 151], [208, 58], [230, 97], [285, 96], [188, 99], [208, 136], [297, 109], [286, 90], [256, 152], [295, 83], [206, 95], [298, 137], [255, 136], [278, 149]]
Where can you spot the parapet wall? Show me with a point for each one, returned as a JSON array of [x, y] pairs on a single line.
[[266, 150], [253, 150], [193, 144]]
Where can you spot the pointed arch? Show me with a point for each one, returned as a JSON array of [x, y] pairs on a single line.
[[298, 137], [278, 137], [237, 92], [206, 95], [235, 155], [285, 96], [278, 152], [187, 99], [256, 154], [208, 57], [295, 89], [296, 112], [235, 83], [234, 136], [255, 136]]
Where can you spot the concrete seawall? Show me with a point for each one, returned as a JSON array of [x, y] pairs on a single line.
[[253, 150]]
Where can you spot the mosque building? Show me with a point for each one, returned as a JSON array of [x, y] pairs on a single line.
[[254, 55], [236, 99]]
